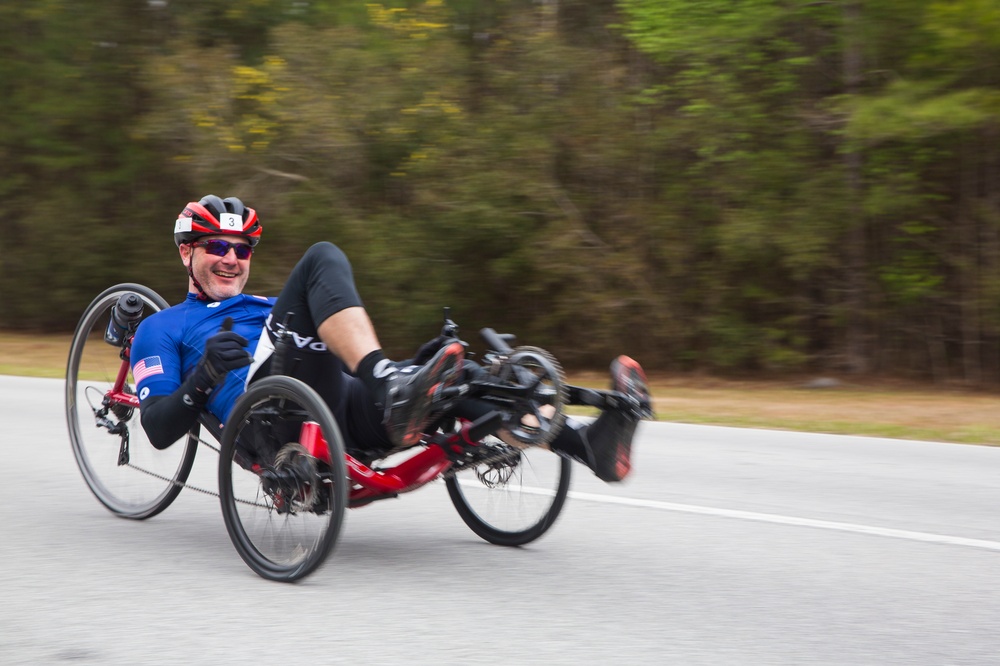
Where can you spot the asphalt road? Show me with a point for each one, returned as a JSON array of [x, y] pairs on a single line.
[[726, 546]]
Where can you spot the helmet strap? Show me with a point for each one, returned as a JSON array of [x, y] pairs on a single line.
[[202, 296]]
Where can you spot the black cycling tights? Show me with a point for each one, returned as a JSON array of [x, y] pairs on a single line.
[[321, 285]]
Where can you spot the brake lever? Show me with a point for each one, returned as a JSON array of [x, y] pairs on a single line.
[[450, 328]]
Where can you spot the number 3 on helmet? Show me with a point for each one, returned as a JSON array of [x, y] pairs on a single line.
[[214, 216]]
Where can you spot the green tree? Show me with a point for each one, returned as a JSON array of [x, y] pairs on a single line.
[[72, 181]]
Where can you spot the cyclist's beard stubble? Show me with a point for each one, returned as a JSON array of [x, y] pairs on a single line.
[[220, 279]]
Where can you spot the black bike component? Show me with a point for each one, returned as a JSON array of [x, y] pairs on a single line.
[[293, 479], [123, 470], [577, 395], [281, 532], [281, 335], [536, 418], [450, 328], [497, 341], [485, 425], [123, 455], [462, 445]]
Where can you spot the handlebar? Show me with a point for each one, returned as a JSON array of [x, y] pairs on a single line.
[[497, 341]]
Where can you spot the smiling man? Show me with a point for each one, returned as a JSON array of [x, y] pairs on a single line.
[[222, 274]]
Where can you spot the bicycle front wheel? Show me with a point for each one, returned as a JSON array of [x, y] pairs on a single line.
[[100, 429], [283, 509], [515, 497]]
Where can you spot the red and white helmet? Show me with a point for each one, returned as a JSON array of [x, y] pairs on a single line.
[[213, 216]]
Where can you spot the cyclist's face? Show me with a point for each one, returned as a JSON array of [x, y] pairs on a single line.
[[220, 277]]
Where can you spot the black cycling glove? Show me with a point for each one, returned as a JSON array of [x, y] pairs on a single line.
[[224, 351]]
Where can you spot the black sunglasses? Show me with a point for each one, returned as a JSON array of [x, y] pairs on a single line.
[[220, 248]]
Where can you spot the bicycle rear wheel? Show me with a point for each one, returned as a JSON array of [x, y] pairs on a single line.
[[151, 479], [283, 531], [516, 497]]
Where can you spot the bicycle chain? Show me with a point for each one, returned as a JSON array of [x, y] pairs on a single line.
[[190, 486]]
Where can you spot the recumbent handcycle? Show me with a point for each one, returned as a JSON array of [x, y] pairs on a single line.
[[508, 491]]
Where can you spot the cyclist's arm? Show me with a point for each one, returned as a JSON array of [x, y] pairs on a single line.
[[166, 418], [170, 406], [158, 368]]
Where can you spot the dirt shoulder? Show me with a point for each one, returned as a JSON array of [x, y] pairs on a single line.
[[858, 407]]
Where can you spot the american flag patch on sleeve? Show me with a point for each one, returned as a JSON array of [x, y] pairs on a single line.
[[147, 367]]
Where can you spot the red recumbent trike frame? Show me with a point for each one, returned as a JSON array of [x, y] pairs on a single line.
[[283, 516]]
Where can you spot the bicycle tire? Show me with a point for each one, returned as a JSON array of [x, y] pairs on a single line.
[[275, 542], [519, 502], [153, 478]]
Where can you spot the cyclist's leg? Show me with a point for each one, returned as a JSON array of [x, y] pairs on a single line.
[[320, 286], [361, 424], [325, 314], [322, 310], [605, 445]]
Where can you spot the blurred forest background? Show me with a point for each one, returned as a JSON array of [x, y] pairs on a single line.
[[759, 186]]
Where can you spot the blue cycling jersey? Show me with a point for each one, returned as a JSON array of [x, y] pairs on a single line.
[[169, 344]]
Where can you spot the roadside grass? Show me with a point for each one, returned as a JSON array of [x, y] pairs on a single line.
[[891, 409], [34, 355]]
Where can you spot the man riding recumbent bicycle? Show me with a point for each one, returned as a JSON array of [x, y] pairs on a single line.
[[310, 416]]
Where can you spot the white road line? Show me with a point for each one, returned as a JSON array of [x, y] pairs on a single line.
[[788, 520]]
